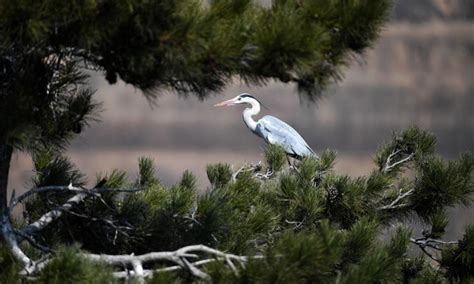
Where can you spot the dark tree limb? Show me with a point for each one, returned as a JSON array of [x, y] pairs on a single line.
[[5, 159]]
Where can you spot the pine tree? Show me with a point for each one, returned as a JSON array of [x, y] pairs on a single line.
[[189, 46], [278, 224]]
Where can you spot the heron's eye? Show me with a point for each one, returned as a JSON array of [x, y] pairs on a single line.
[[240, 99]]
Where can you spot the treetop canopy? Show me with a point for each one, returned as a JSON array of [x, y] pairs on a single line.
[[197, 46]]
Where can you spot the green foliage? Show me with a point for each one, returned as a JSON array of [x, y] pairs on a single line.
[[418, 271], [275, 157], [443, 184], [188, 181], [374, 267], [411, 144], [439, 220], [116, 179], [170, 277], [382, 262], [53, 169], [459, 260], [146, 172], [219, 174], [295, 258], [308, 257], [326, 161], [310, 223], [44, 100], [9, 268], [360, 240], [399, 243], [69, 267], [300, 200]]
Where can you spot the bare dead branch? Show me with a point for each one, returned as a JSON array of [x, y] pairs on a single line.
[[297, 224], [138, 269], [432, 243], [389, 160], [180, 257], [256, 170], [389, 165], [395, 204], [267, 175], [425, 243], [429, 240], [53, 215], [149, 273]]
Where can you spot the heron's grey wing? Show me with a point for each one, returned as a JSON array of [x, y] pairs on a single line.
[[276, 131]]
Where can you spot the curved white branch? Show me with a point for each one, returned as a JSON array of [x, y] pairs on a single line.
[[395, 203]]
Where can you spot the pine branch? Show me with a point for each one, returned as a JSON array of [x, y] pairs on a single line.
[[424, 243], [432, 243], [179, 257]]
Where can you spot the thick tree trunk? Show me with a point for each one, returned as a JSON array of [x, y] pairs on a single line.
[[5, 158]]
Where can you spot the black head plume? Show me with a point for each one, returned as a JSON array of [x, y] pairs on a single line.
[[247, 95]]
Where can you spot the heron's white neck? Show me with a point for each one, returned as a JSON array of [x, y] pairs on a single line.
[[249, 112]]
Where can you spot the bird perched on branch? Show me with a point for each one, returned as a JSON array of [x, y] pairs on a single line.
[[271, 129]]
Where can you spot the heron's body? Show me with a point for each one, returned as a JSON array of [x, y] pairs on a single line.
[[277, 132], [271, 129]]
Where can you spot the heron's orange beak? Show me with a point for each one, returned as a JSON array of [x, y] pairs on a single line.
[[225, 103]]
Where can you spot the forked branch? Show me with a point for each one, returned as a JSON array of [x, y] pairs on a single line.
[[390, 163], [255, 169], [399, 201], [437, 245], [181, 259]]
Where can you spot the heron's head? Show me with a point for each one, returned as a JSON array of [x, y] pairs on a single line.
[[243, 98]]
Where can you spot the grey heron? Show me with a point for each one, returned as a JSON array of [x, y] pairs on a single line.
[[271, 129]]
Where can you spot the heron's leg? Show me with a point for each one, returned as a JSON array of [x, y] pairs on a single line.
[[290, 165]]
